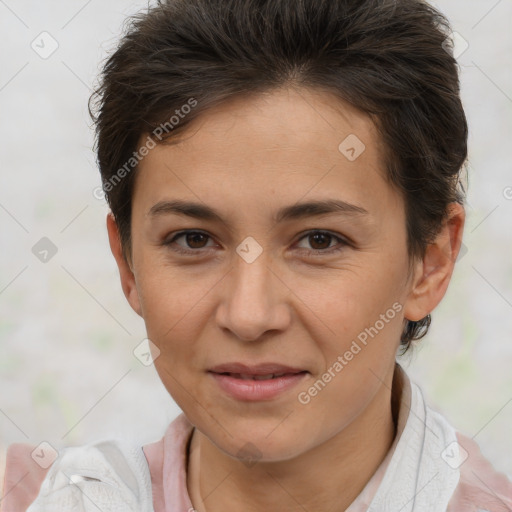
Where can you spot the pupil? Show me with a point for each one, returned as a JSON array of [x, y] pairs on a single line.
[[194, 236], [321, 235]]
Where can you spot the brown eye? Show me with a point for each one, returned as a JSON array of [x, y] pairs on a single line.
[[194, 242], [320, 240], [320, 243]]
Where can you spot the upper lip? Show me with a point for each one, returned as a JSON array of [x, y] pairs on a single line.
[[259, 369]]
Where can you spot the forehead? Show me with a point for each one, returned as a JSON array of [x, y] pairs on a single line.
[[285, 144]]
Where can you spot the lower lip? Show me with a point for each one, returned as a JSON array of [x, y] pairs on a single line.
[[253, 390]]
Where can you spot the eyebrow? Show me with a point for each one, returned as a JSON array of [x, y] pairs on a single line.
[[296, 211]]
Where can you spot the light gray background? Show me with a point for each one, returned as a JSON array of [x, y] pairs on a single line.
[[67, 371]]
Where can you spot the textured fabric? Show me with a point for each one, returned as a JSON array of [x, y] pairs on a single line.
[[429, 468], [417, 477], [109, 476]]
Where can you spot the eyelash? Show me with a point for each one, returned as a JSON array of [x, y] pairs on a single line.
[[313, 252]]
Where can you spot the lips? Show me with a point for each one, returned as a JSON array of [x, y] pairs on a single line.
[[257, 383], [262, 371], [256, 377]]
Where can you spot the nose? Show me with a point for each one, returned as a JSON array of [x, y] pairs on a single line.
[[254, 300]]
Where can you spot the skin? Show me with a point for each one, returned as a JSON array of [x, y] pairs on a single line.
[[247, 158]]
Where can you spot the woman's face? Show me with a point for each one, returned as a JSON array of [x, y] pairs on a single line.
[[321, 296]]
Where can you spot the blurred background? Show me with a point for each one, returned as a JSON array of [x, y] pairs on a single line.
[[68, 373]]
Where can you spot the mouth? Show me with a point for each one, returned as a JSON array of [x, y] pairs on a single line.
[[267, 369], [256, 383], [247, 376]]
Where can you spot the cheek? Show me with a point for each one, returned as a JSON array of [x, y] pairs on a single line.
[[346, 305], [171, 324], [357, 319], [173, 298]]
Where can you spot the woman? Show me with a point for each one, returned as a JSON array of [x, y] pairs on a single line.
[[286, 212]]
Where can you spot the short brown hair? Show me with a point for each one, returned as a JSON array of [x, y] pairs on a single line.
[[389, 58]]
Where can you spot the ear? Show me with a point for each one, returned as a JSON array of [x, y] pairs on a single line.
[[125, 271], [432, 274]]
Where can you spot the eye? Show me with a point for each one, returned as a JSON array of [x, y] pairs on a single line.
[[194, 239], [323, 239]]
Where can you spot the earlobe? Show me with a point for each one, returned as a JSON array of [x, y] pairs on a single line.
[[432, 274], [126, 274]]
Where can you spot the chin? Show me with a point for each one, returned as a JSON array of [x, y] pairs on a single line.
[[257, 441]]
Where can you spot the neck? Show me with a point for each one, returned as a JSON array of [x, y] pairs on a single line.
[[326, 478]]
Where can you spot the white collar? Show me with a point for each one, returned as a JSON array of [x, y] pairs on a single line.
[[421, 472]]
